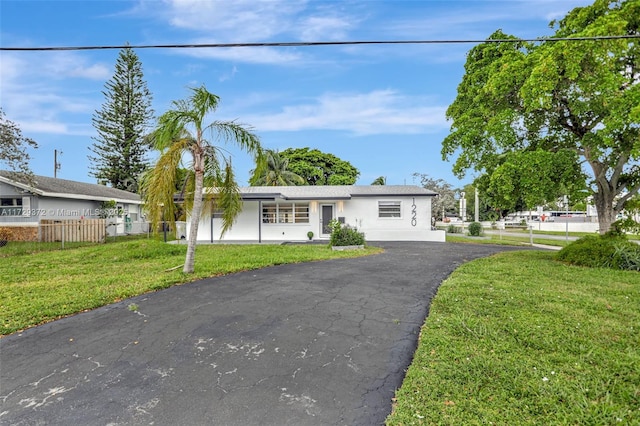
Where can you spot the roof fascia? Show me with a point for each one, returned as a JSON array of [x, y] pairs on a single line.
[[319, 198], [21, 185], [394, 194], [89, 197]]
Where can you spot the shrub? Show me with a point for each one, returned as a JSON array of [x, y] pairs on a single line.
[[609, 251], [629, 255], [624, 226], [475, 229], [345, 235], [452, 229]]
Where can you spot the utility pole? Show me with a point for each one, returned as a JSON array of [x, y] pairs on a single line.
[[56, 166]]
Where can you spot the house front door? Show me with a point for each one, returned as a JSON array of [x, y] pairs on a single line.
[[326, 217]]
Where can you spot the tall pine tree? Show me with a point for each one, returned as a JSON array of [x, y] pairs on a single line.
[[120, 148]]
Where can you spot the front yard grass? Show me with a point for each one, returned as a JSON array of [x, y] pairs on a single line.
[[518, 338], [36, 288]]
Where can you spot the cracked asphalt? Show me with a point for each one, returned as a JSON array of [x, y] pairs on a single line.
[[320, 343]]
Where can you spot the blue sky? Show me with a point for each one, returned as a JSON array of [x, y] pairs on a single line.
[[380, 107]]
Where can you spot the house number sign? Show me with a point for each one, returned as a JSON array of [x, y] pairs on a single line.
[[414, 221]]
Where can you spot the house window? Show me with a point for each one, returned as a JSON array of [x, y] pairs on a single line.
[[269, 212], [10, 206], [285, 213], [302, 213], [388, 209]]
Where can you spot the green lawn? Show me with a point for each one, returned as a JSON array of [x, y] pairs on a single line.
[[506, 239], [516, 338], [519, 338], [37, 288]]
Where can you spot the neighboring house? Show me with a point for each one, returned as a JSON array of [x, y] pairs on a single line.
[[288, 213], [28, 209]]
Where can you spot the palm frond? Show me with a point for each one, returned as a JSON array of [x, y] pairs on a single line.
[[202, 102], [228, 198], [273, 172], [158, 184], [238, 134]]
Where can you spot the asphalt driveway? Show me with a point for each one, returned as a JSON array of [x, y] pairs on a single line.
[[321, 343]]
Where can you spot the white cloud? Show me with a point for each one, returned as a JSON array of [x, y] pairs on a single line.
[[483, 21], [322, 28], [11, 68], [17, 67], [61, 65], [377, 112], [251, 21], [44, 127], [245, 20], [39, 89]]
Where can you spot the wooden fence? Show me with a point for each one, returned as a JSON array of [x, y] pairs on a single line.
[[91, 230]]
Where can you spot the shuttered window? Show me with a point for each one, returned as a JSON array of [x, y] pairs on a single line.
[[387, 209]]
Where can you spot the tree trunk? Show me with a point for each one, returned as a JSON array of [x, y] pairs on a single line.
[[196, 211], [603, 200]]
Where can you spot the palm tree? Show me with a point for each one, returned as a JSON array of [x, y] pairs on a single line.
[[181, 130], [274, 172], [380, 180]]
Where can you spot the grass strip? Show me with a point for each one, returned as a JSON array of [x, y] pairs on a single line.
[[42, 287], [519, 338], [509, 240]]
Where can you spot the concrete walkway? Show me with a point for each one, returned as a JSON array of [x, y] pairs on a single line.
[[320, 343]]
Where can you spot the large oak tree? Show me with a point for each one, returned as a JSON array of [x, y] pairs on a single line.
[[320, 168], [578, 95]]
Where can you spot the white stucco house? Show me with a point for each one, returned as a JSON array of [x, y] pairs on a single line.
[[27, 208], [288, 213]]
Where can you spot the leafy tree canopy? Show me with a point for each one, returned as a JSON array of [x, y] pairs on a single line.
[[445, 203], [13, 148], [380, 180], [532, 178], [319, 168], [579, 96]]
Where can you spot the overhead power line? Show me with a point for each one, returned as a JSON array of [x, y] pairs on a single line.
[[317, 43]]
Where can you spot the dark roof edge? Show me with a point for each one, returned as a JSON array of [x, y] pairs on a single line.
[[390, 194]]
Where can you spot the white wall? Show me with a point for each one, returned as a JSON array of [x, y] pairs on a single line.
[[414, 224], [562, 226], [66, 208], [360, 212], [543, 226]]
